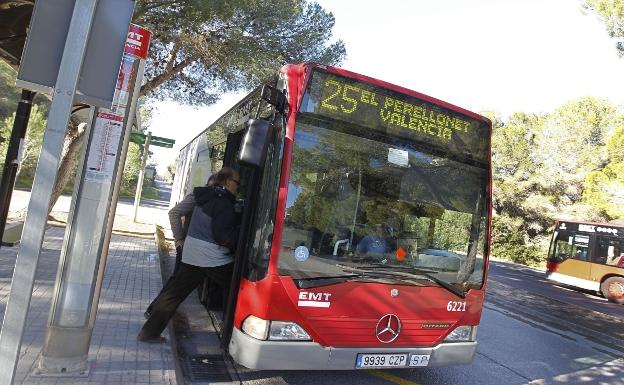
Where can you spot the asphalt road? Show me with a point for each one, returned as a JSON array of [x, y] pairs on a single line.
[[534, 281], [164, 190]]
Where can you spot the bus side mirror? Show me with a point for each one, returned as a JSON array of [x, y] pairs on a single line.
[[255, 143], [274, 97]]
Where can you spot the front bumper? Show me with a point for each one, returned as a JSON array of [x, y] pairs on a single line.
[[281, 355]]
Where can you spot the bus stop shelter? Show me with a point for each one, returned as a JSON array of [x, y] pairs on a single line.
[[14, 19]]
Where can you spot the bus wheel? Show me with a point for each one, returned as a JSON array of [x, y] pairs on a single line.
[[613, 289]]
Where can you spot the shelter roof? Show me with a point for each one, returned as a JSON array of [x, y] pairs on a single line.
[[14, 21]]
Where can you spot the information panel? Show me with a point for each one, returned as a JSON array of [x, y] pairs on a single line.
[[381, 109]]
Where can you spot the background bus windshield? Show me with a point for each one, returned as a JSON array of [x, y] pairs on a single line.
[[361, 199]]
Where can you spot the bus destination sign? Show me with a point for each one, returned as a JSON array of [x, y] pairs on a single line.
[[588, 228], [385, 110]]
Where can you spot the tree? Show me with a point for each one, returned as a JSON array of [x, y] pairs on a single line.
[[32, 144], [611, 13], [9, 95], [573, 144], [171, 170], [201, 49], [604, 189], [542, 167], [74, 138], [515, 167]]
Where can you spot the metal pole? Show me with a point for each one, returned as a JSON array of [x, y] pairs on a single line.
[[47, 169], [11, 161], [137, 196]]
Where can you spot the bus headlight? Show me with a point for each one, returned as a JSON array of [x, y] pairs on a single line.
[[274, 330], [256, 327], [287, 331], [462, 334]]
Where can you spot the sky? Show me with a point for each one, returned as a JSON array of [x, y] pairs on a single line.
[[483, 55]]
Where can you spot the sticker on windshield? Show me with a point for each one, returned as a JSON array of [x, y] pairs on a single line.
[[301, 253], [398, 157]]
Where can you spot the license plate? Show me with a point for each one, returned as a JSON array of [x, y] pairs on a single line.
[[419, 360], [381, 360]]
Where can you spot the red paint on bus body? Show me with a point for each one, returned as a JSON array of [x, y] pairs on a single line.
[[355, 309]]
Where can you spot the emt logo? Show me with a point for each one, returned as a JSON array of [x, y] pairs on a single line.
[[309, 299]]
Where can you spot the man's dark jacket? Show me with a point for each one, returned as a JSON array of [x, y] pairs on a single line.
[[213, 231]]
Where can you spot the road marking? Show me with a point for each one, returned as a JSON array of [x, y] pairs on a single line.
[[391, 377]]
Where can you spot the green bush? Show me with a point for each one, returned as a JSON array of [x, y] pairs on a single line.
[[511, 242], [131, 170]]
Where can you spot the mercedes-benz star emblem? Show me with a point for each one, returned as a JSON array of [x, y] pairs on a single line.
[[388, 328]]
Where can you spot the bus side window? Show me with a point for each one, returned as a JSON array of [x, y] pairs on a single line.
[[581, 254], [580, 247], [608, 251], [564, 248]]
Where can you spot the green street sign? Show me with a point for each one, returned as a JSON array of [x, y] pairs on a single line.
[[139, 138]]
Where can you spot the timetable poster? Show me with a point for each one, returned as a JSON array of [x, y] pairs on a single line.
[[104, 146]]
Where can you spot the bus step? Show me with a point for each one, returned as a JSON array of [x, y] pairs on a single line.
[[207, 368], [217, 320]]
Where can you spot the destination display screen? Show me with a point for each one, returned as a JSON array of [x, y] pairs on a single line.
[[591, 228], [381, 109]]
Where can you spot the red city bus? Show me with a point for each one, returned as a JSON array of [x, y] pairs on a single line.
[[366, 211]]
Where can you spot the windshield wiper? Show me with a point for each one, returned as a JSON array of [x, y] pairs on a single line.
[[409, 271], [379, 266], [309, 282], [458, 292], [306, 283]]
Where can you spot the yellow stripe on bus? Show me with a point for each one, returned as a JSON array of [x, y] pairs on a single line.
[[391, 377]]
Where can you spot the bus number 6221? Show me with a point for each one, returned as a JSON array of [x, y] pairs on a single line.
[[456, 306]]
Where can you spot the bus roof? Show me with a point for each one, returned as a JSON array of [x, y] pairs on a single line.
[[617, 225]]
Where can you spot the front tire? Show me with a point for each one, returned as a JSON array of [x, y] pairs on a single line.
[[613, 289]]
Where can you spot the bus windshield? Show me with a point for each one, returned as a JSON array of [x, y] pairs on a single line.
[[567, 244], [361, 198]]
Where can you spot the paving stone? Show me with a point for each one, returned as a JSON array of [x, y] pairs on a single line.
[[131, 281]]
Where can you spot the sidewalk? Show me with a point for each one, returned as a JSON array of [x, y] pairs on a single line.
[[131, 280]]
